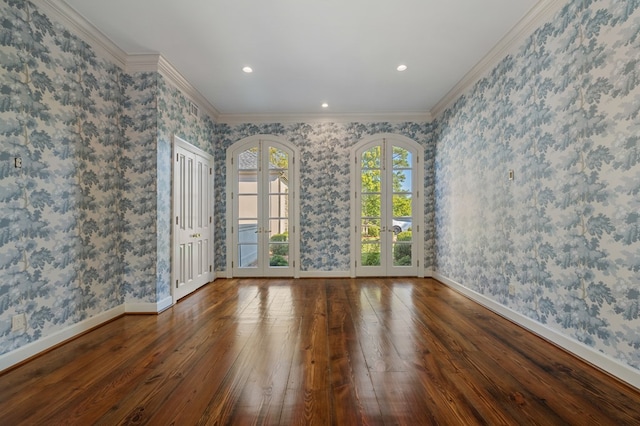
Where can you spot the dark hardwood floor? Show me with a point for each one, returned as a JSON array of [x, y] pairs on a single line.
[[315, 351]]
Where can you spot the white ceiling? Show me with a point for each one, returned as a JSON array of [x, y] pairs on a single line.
[[306, 52]]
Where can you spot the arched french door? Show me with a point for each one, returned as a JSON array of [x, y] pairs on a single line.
[[262, 220], [387, 207]]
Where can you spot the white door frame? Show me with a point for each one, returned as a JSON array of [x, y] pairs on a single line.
[[175, 218], [294, 209], [418, 199]]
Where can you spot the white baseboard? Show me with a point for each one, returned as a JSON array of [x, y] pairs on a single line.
[[220, 274], [149, 308], [29, 350], [600, 360]]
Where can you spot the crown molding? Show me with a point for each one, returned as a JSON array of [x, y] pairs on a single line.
[[78, 24], [538, 15], [413, 117], [145, 62], [130, 63], [177, 79]]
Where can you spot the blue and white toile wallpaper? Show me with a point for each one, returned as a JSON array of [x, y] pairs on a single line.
[[563, 112], [324, 185], [61, 246], [85, 223]]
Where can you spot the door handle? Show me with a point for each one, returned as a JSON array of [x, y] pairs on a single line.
[[196, 235]]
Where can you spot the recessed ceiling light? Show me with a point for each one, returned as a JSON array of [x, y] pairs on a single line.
[[325, 105], [401, 67], [247, 70]]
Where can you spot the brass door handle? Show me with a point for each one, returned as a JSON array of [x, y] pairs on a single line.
[[196, 235]]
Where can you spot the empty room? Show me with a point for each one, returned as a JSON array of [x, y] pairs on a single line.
[[320, 212]]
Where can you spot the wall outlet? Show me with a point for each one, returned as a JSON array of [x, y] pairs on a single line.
[[19, 322], [512, 290]]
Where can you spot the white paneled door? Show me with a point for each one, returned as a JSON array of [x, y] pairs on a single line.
[[193, 216]]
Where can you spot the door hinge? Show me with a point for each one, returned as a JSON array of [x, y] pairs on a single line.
[[356, 262], [177, 220], [294, 263], [232, 263], [210, 219], [232, 229], [176, 283], [210, 268], [232, 161], [418, 263], [177, 157], [210, 170]]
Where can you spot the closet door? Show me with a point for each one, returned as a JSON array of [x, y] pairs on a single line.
[[193, 237]]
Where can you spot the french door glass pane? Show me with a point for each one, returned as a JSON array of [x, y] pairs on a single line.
[[402, 206], [402, 181], [402, 159], [248, 160], [248, 206], [248, 243], [402, 254], [371, 205], [279, 205], [278, 159], [370, 254], [370, 230], [371, 158]]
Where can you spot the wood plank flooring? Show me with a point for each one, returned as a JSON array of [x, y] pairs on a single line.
[[314, 351]]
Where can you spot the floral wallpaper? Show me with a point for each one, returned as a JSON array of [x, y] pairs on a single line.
[[61, 246], [85, 222], [324, 184], [562, 112]]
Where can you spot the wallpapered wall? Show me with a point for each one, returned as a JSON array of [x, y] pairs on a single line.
[[563, 112], [324, 185], [84, 224], [61, 230]]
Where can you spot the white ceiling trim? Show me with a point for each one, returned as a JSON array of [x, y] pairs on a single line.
[[147, 62], [420, 117], [178, 80], [104, 47], [84, 29], [538, 15]]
